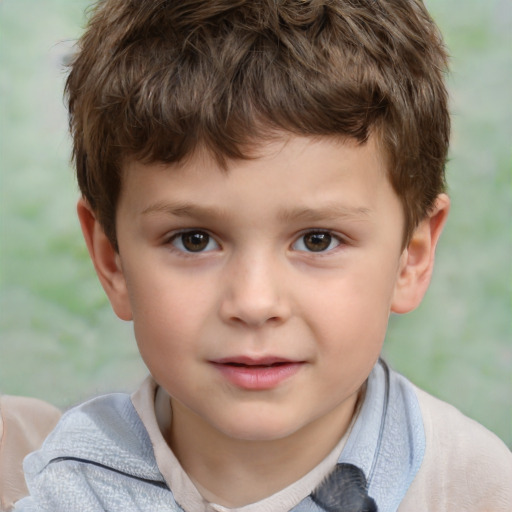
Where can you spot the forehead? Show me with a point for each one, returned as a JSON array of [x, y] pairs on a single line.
[[263, 143], [290, 177], [268, 148]]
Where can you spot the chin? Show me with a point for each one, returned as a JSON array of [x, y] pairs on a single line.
[[259, 429]]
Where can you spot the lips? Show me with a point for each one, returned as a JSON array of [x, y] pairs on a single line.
[[253, 361], [257, 373]]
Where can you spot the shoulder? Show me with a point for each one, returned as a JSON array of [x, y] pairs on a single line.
[[99, 457], [96, 430], [466, 467]]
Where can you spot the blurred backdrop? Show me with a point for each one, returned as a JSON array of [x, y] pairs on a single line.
[[59, 340]]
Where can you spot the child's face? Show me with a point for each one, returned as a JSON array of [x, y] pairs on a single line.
[[260, 296]]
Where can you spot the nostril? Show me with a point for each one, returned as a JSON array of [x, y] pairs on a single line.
[[253, 302]]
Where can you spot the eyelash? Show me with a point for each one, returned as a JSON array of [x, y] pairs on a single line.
[[320, 233]]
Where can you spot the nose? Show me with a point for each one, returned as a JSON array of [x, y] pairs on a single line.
[[254, 293]]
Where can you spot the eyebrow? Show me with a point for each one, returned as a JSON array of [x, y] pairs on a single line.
[[330, 211], [183, 209]]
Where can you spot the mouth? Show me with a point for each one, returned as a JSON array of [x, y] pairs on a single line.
[[272, 365], [257, 374], [254, 361]]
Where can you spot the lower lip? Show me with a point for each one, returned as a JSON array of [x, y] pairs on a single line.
[[258, 378]]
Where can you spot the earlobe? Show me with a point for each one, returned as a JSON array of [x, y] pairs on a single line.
[[417, 260], [106, 261]]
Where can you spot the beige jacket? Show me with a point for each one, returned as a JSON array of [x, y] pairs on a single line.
[[465, 467], [24, 423]]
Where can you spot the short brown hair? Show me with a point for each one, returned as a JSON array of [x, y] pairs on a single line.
[[157, 79]]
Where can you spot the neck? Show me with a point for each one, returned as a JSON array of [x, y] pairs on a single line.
[[235, 472]]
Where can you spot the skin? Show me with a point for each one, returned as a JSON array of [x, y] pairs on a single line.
[[259, 288]]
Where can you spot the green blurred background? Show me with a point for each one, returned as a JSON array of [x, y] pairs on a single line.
[[59, 339]]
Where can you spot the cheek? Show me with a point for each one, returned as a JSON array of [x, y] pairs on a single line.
[[167, 298], [162, 315], [168, 334], [353, 314], [174, 318]]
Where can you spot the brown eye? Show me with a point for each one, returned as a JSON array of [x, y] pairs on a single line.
[[316, 241], [194, 241]]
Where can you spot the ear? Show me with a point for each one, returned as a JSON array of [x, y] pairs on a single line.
[[106, 260], [417, 260]]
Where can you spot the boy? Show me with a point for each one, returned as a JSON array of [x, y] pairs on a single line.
[[262, 185]]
